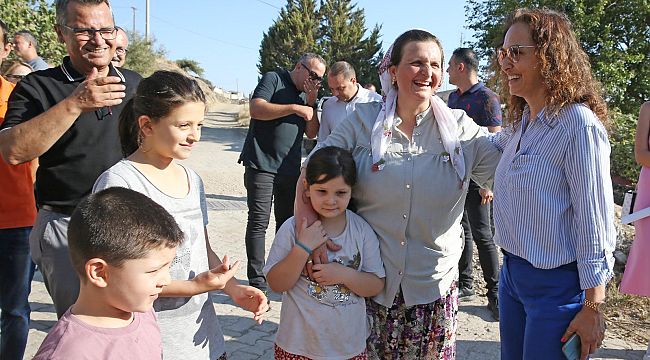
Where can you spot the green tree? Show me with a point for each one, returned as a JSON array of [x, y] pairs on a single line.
[[190, 65], [39, 18], [341, 37], [142, 54], [615, 34], [294, 33], [335, 31], [622, 142]]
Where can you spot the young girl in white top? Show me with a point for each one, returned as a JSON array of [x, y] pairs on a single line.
[[325, 318], [159, 125]]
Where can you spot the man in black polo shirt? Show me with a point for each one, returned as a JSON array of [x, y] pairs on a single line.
[[282, 109], [67, 118]]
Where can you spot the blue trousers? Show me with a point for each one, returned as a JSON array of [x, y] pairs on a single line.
[[536, 307], [16, 272]]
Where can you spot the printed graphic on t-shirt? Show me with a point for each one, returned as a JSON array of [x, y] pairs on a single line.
[[339, 294]]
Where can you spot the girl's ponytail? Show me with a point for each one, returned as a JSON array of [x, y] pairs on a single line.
[[129, 129]]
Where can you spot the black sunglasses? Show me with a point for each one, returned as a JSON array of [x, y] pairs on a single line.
[[312, 75]]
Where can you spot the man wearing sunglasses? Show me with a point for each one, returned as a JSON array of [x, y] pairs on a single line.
[[67, 117], [282, 109]]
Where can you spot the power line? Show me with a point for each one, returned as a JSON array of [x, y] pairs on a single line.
[[203, 35], [269, 4]]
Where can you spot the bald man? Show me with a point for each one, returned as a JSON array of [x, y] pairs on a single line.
[[122, 41]]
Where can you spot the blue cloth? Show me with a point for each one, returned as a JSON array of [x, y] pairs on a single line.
[[16, 272], [536, 307], [38, 63], [480, 103], [553, 198]]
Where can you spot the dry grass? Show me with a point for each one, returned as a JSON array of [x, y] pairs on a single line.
[[628, 316]]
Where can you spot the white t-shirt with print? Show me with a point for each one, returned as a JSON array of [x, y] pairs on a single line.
[[327, 322]]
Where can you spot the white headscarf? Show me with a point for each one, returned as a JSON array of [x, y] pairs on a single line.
[[382, 130]]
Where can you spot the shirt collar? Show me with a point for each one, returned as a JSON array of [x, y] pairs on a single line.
[[73, 75], [476, 87], [353, 98], [426, 114], [542, 116]]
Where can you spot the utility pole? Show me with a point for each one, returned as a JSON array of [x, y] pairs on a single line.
[[146, 31], [134, 9]]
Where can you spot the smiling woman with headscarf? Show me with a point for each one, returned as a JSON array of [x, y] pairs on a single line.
[[414, 159]]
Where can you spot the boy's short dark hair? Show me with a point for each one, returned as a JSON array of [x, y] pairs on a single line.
[[118, 224]]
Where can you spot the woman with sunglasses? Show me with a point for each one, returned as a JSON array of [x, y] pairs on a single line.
[[553, 202]]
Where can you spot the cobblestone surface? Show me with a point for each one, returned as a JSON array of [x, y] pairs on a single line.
[[215, 159]]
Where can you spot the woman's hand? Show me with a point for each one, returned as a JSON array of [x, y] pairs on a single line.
[[590, 326], [313, 235], [305, 214], [319, 256], [486, 195]]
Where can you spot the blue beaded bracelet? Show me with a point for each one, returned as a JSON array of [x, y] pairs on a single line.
[[305, 247]]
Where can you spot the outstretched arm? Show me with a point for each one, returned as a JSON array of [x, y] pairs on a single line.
[[246, 297]]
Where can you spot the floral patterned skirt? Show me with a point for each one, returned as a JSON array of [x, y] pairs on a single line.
[[281, 354], [426, 331]]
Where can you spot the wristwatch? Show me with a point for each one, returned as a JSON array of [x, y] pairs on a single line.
[[592, 305]]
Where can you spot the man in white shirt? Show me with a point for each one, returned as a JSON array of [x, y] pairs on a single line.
[[342, 81]]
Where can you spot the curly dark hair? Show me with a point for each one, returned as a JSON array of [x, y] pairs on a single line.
[[564, 65]]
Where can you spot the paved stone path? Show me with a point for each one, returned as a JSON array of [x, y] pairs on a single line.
[[215, 159]]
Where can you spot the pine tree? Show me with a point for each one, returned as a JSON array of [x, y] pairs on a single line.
[[291, 35], [341, 37], [335, 31]]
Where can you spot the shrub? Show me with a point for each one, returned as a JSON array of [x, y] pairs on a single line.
[[622, 142], [142, 54]]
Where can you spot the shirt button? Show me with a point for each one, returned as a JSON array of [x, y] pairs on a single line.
[[408, 186], [408, 158], [404, 216], [417, 134], [403, 243], [401, 273]]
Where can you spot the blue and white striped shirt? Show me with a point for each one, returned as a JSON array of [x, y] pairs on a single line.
[[553, 200]]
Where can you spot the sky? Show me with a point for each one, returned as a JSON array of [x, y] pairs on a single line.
[[224, 36]]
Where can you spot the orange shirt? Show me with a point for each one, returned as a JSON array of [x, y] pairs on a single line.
[[17, 204]]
